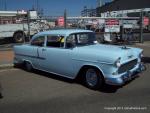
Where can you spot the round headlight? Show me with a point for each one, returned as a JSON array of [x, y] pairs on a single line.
[[117, 62], [141, 54]]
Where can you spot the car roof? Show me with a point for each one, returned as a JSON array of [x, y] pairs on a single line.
[[64, 32]]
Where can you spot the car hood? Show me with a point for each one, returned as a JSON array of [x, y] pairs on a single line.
[[107, 53]]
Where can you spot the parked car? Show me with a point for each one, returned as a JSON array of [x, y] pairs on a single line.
[[74, 52]]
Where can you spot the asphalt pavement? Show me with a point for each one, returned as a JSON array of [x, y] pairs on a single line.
[[40, 92]]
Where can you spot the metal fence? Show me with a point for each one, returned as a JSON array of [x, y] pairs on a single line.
[[108, 29]]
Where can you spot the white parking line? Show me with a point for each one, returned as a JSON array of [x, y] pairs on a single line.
[[4, 70]]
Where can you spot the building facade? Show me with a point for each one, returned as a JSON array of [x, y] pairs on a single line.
[[88, 12], [127, 5]]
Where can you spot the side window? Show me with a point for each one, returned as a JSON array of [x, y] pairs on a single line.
[[55, 41], [71, 41], [82, 38], [39, 41]]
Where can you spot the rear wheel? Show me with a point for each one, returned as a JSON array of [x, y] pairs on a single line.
[[19, 37], [28, 66], [93, 78]]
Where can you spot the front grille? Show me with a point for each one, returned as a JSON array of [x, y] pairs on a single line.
[[127, 66]]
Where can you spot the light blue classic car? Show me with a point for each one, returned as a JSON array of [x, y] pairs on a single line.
[[75, 53]]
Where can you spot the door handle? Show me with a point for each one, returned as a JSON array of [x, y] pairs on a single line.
[[43, 49]]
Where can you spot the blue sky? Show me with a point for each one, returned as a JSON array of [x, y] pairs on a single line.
[[50, 7]]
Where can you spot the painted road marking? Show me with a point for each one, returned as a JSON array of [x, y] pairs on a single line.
[[4, 70]]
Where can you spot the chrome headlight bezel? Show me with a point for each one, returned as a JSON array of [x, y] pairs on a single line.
[[141, 55], [117, 62]]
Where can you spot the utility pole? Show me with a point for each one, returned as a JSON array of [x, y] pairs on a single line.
[[28, 20], [99, 3], [5, 5], [141, 27], [37, 5], [149, 21], [65, 18]]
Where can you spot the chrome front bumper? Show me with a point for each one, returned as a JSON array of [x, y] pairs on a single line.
[[124, 77]]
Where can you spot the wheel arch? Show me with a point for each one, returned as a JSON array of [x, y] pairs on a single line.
[[25, 60], [84, 67]]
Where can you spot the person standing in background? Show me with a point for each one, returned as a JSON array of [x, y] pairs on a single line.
[[129, 34]]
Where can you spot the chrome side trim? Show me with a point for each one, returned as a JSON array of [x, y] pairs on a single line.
[[97, 61], [42, 58]]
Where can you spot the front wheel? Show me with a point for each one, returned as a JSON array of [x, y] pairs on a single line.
[[93, 78]]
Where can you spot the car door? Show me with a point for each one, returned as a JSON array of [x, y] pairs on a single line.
[[57, 58], [36, 44]]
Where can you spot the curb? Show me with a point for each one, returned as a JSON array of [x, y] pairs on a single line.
[[6, 66]]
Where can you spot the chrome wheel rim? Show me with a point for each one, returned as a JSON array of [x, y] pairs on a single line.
[[91, 77]]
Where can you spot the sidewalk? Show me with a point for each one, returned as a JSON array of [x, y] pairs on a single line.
[[6, 59]]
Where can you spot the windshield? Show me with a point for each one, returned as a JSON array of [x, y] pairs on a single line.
[[82, 39]]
